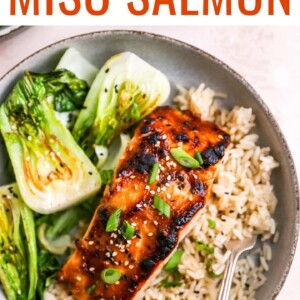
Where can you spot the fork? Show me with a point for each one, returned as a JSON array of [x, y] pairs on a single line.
[[236, 248]]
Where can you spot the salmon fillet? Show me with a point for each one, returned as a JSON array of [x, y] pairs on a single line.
[[156, 236]]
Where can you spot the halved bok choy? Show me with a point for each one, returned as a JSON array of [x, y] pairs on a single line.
[[52, 171], [18, 250], [125, 90]]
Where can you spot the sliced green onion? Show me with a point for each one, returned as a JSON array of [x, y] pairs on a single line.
[[174, 260], [106, 176], [113, 221], [127, 230], [168, 284], [199, 158], [184, 159], [204, 248], [110, 275], [91, 288], [209, 271], [211, 224], [154, 172], [162, 206]]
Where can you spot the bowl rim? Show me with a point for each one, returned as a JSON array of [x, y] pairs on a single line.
[[233, 73]]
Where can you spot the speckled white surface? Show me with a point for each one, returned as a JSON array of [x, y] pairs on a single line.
[[268, 57]]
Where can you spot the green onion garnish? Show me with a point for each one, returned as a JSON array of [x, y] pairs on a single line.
[[199, 158], [106, 176], [204, 248], [209, 271], [113, 221], [110, 275], [154, 172], [174, 260], [127, 230], [211, 224], [91, 289], [162, 206], [184, 159], [168, 284]]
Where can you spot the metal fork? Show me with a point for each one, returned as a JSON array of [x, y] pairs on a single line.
[[236, 248]]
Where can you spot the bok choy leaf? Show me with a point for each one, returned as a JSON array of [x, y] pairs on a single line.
[[18, 250], [51, 170], [125, 90]]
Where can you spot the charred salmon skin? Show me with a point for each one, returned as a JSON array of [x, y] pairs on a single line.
[[159, 214]]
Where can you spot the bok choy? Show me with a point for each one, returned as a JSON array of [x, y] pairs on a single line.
[[125, 90], [18, 251], [51, 170]]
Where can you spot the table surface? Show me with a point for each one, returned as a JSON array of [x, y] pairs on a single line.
[[268, 57]]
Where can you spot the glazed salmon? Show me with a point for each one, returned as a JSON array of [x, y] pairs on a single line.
[[156, 233]]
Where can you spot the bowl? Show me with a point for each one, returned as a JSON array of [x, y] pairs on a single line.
[[187, 65]]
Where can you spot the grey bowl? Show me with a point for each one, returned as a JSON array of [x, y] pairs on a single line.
[[188, 66]]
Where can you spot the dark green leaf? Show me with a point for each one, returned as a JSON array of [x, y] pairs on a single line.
[[106, 176]]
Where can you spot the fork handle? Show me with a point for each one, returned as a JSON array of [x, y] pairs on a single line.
[[228, 275]]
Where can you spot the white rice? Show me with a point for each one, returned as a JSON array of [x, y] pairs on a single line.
[[241, 204]]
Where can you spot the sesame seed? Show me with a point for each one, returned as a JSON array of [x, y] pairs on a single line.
[[91, 242], [139, 205], [145, 222], [111, 242], [114, 254], [118, 282], [126, 263], [167, 158], [155, 223], [191, 198], [150, 234], [78, 278], [163, 188], [92, 269], [107, 254], [152, 192], [132, 177], [162, 168], [133, 224], [180, 144], [158, 190], [131, 267], [147, 187], [168, 196], [164, 137]]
